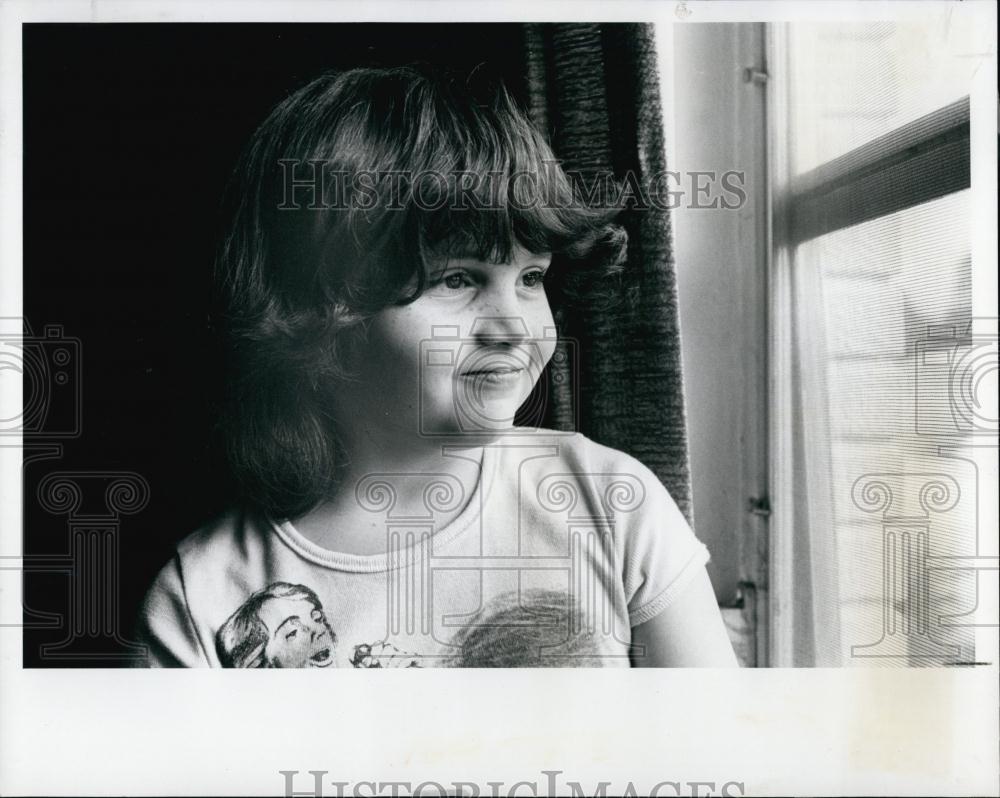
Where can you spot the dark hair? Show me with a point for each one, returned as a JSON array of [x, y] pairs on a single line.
[[241, 640], [298, 283]]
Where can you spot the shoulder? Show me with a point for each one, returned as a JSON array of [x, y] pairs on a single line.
[[217, 537], [215, 548], [569, 471], [203, 563], [551, 453], [572, 477], [574, 448], [582, 448]]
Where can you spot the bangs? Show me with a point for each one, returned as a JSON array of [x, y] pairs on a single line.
[[493, 186], [429, 171]]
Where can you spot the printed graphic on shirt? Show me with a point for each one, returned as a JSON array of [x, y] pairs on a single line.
[[530, 629], [281, 626], [382, 655], [284, 626]]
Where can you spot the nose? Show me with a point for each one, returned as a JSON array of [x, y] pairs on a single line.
[[499, 319], [315, 631], [494, 330]]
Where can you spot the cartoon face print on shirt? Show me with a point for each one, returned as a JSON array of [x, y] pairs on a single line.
[[281, 626]]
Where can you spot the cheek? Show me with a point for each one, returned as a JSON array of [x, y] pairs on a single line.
[[391, 355], [396, 334], [542, 319], [543, 330], [294, 650], [273, 652], [548, 349]]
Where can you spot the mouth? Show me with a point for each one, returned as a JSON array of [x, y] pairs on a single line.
[[499, 375], [321, 659]]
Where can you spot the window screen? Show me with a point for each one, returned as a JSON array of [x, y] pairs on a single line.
[[884, 562]]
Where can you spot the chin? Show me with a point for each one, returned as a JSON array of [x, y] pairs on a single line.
[[482, 425]]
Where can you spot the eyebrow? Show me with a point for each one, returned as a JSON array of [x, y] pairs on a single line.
[[289, 618]]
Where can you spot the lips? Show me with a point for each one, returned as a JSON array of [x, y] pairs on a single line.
[[321, 658], [500, 376], [499, 370]]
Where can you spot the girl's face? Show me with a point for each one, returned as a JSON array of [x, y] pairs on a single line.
[[461, 358]]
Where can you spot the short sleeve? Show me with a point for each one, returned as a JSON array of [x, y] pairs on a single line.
[[165, 626], [661, 553]]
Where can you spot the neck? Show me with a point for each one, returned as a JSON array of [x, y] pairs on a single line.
[[369, 450], [386, 474]]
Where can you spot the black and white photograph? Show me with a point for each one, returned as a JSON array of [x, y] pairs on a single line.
[[444, 337]]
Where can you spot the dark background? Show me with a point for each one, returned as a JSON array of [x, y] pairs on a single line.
[[130, 134]]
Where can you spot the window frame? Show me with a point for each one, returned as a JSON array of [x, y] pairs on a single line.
[[932, 153]]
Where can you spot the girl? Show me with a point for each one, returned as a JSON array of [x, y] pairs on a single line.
[[396, 246]]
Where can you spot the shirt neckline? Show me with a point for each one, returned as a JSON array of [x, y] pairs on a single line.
[[406, 555]]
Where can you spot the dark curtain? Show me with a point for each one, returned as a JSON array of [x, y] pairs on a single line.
[[594, 89]]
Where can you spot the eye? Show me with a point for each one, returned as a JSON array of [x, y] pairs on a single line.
[[291, 635], [534, 279], [456, 281]]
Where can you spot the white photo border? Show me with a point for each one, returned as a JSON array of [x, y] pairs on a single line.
[[775, 732]]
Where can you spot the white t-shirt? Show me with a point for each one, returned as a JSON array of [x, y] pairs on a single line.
[[562, 548]]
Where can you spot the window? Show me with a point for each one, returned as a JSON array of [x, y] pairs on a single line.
[[879, 365]]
